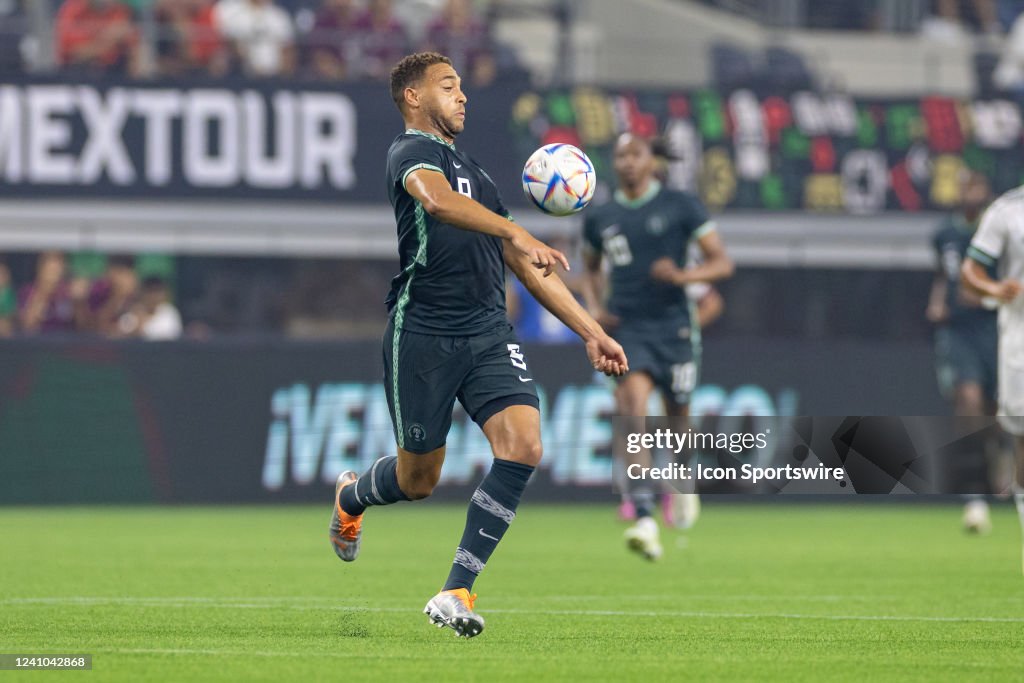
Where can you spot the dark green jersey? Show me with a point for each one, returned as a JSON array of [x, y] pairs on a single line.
[[632, 235], [950, 241], [452, 281]]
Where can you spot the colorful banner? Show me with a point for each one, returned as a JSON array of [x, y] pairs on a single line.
[[806, 151]]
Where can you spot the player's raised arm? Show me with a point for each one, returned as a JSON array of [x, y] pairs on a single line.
[[604, 352], [438, 198], [716, 264]]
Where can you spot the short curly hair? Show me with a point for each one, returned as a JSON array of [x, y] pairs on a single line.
[[410, 71]]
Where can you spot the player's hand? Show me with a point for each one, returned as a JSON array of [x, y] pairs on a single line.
[[541, 256], [1008, 290], [607, 356], [665, 270], [936, 313]]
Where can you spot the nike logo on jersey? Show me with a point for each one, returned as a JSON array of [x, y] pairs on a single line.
[[487, 535], [525, 379], [456, 165]]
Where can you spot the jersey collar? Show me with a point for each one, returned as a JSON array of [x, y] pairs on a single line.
[[652, 190], [435, 138]]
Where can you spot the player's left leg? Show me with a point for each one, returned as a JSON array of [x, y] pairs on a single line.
[[514, 435], [684, 505], [632, 395], [499, 395]]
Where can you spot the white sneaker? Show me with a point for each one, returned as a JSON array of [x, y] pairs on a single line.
[[642, 538], [685, 510], [976, 519]]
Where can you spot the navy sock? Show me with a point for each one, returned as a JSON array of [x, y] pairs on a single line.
[[643, 501], [491, 510], [377, 486]]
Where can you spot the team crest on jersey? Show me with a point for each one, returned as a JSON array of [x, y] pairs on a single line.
[[656, 224], [683, 332], [416, 432]]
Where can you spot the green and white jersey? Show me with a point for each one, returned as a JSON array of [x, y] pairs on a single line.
[[999, 242], [632, 235], [452, 281]]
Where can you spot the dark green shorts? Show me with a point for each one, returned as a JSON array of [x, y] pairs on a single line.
[[967, 355], [425, 373], [664, 350]]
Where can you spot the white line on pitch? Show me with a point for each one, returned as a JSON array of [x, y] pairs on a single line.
[[280, 603]]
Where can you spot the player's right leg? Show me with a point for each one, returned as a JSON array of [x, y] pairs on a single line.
[[407, 476], [422, 374], [631, 400]]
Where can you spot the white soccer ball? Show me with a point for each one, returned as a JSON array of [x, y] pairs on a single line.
[[559, 179]]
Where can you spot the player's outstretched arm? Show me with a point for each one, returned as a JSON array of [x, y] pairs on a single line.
[[604, 352], [716, 264], [432, 190], [974, 278]]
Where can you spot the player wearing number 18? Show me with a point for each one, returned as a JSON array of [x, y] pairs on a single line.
[[643, 235]]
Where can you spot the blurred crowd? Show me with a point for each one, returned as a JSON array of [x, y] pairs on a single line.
[[109, 296], [318, 39]]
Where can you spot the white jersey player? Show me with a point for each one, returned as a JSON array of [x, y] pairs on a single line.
[[1000, 241]]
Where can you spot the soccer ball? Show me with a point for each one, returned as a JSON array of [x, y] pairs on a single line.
[[559, 179]]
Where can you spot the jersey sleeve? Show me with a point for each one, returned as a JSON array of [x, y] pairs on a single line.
[[989, 242], [591, 234], [698, 219], [413, 154]]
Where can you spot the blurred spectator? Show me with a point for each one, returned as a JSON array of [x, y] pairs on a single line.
[[154, 317], [110, 297], [332, 40], [13, 31], [97, 36], [952, 18], [8, 301], [460, 35], [1008, 11], [1009, 74], [260, 33], [47, 304], [383, 37], [188, 42]]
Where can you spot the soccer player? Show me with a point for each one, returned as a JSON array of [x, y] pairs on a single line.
[[642, 236], [999, 242], [448, 337], [965, 329]]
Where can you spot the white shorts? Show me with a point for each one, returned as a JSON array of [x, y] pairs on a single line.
[[1011, 396]]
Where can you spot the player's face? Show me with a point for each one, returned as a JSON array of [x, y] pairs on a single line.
[[443, 100], [634, 162], [976, 194]]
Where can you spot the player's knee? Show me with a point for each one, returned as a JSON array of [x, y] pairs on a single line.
[[970, 400], [419, 484], [632, 403], [527, 451]]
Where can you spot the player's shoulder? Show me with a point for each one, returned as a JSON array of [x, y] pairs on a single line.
[[410, 143], [599, 210], [1011, 200], [684, 202]]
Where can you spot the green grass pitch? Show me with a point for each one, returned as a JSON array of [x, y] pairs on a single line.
[[766, 592]]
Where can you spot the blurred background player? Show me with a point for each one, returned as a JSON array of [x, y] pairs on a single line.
[[641, 239], [999, 242], [965, 335]]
